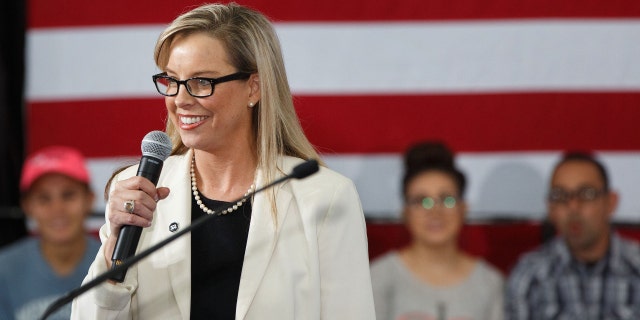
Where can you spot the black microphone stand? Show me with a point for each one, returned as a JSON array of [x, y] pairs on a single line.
[[300, 171]]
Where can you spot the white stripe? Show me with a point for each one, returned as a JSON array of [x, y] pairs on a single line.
[[500, 184], [366, 58], [101, 170], [507, 185], [76, 63]]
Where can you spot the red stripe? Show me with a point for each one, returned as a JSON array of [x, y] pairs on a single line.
[[99, 128], [48, 13], [487, 122], [377, 124]]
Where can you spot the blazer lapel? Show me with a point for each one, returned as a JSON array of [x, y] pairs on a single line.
[[263, 235], [175, 211]]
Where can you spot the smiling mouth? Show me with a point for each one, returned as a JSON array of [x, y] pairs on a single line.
[[191, 120]]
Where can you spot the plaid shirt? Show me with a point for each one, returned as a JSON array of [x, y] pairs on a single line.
[[549, 284]]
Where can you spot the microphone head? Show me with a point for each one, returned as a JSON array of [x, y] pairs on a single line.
[[305, 169], [156, 144]]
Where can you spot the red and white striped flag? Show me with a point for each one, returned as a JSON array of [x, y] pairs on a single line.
[[507, 84]]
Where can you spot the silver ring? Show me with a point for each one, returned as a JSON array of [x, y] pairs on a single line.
[[129, 206]]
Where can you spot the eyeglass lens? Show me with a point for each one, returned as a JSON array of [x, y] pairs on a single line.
[[585, 194], [196, 86], [428, 203]]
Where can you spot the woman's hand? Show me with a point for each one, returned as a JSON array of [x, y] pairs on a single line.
[[144, 196]]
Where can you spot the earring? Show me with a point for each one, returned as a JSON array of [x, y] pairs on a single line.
[[250, 104]]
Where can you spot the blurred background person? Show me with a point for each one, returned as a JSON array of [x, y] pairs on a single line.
[[587, 271], [56, 197], [432, 278]]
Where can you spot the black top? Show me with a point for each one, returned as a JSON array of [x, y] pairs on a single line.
[[217, 254]]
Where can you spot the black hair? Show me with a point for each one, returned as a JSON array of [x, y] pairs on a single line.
[[588, 158], [431, 156]]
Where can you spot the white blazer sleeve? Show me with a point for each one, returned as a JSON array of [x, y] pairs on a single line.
[[344, 259]]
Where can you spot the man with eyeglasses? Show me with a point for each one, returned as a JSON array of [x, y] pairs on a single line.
[[587, 271]]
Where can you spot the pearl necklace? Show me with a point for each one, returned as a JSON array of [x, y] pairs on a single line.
[[196, 194]]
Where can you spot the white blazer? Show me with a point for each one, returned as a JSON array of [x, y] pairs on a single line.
[[312, 265]]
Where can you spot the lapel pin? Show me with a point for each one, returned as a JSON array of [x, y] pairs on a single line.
[[173, 227]]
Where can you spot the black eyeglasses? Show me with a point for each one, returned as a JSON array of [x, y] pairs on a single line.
[[584, 194], [446, 202], [198, 87]]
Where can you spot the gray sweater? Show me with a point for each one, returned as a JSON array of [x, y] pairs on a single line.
[[399, 294]]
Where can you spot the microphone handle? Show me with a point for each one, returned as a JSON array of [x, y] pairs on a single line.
[[128, 237]]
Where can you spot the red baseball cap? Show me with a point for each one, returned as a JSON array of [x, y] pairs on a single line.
[[55, 159]]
